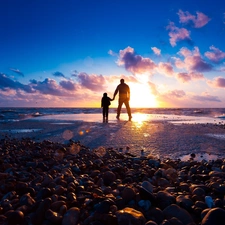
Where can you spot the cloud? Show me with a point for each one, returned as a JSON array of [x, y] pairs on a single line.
[[217, 82], [112, 53], [206, 98], [134, 63], [176, 94], [156, 50], [6, 82], [198, 21], [17, 71], [165, 68], [193, 61], [186, 77], [48, 86], [68, 85], [92, 82], [178, 34], [216, 55], [74, 73], [58, 74]]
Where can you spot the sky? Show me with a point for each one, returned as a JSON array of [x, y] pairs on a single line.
[[67, 53]]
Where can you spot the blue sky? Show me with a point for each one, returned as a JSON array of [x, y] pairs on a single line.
[[67, 53]]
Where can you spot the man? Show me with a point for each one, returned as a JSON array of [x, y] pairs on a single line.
[[124, 97]]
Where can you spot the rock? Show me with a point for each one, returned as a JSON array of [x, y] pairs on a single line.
[[151, 222], [154, 214], [209, 201], [144, 204], [215, 216], [147, 186], [53, 217], [128, 216], [14, 217], [176, 211], [71, 217], [109, 177], [184, 202], [164, 199], [128, 194]]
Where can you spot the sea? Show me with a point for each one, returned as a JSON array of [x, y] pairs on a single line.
[[206, 115]]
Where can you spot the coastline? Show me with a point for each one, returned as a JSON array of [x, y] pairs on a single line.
[[164, 136]]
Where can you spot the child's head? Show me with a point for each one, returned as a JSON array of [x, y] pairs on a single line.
[[105, 95]]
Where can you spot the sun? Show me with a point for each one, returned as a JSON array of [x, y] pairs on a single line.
[[141, 96]]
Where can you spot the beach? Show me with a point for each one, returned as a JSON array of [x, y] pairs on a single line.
[[79, 170], [162, 135]]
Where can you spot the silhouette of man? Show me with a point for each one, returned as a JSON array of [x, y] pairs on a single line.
[[124, 97]]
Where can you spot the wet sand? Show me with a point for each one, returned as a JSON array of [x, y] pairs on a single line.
[[161, 135]]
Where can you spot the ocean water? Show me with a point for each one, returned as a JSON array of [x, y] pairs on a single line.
[[207, 115]]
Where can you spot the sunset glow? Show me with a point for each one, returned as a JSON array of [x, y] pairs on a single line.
[[170, 53], [141, 96]]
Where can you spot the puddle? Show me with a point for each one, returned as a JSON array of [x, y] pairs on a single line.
[[21, 130], [62, 123], [218, 136], [199, 157]]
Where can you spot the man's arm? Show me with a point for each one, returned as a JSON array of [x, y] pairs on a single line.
[[115, 93]]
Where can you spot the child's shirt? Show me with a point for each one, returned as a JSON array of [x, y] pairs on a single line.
[[106, 101]]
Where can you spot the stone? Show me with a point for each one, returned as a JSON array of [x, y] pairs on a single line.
[[71, 217], [215, 216], [128, 194], [109, 177], [130, 216], [178, 212], [184, 201], [164, 199]]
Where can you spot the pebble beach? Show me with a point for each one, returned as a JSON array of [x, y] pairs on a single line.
[[115, 173]]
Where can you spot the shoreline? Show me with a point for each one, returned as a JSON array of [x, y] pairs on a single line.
[[161, 137]]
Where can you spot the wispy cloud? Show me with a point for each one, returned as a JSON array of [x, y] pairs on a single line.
[[205, 97], [198, 21], [178, 34], [157, 51], [216, 55], [111, 52], [58, 74], [17, 71], [134, 63]]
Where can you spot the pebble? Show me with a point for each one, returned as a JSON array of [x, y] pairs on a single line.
[[45, 183]]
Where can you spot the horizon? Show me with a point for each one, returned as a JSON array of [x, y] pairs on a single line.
[[66, 54]]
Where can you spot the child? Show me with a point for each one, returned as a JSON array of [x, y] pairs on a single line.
[[105, 106]]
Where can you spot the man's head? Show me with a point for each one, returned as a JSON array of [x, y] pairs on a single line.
[[122, 81]]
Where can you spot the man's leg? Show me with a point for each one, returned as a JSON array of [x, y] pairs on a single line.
[[128, 109], [120, 103]]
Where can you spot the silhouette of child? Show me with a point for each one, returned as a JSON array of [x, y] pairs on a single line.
[[105, 103]]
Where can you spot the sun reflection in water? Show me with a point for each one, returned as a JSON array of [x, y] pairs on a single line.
[[139, 119]]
